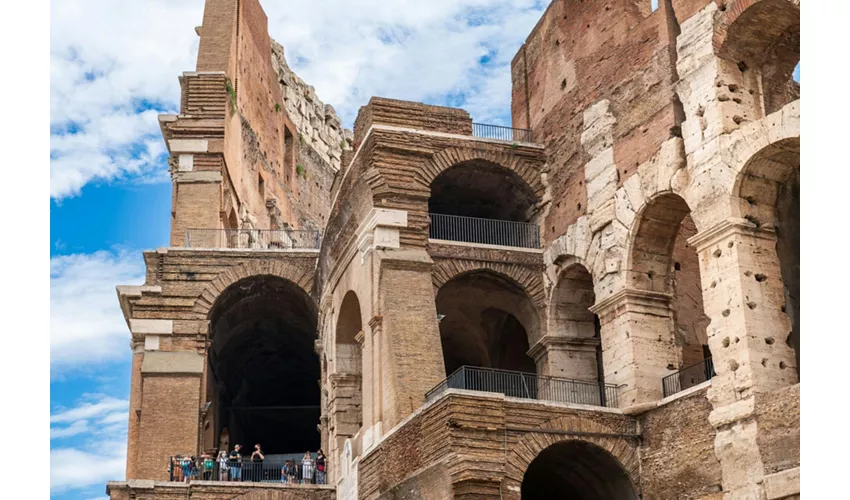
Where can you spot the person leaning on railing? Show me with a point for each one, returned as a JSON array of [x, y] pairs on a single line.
[[307, 469], [236, 464], [222, 465], [320, 467]]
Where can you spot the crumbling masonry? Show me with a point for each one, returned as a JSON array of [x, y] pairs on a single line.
[[601, 301]]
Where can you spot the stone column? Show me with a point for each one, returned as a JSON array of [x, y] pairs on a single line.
[[345, 416], [170, 409], [412, 355], [567, 357], [638, 343], [745, 299]]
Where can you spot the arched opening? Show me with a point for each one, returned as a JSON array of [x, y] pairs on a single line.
[[478, 201], [264, 372], [572, 319], [485, 321], [764, 41], [663, 261], [347, 394], [769, 195], [577, 470]]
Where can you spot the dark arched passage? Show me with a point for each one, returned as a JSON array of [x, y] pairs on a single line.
[[264, 372], [478, 188], [485, 321], [576, 470]]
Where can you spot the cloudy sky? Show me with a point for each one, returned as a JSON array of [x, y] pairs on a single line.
[[114, 67]]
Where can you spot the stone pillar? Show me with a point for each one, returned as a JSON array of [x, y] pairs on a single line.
[[412, 353], [638, 343], [191, 197], [170, 409], [345, 411], [566, 357], [745, 299], [135, 408]]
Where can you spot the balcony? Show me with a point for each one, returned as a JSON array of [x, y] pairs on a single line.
[[688, 377], [500, 133], [246, 239], [528, 386], [281, 469], [484, 231]]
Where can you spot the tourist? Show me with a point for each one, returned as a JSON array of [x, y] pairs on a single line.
[[222, 465], [307, 469], [236, 464], [186, 468], [256, 464], [320, 467], [208, 464], [287, 474]]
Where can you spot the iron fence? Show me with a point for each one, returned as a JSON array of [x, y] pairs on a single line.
[[253, 238], [688, 377], [270, 470], [528, 386], [484, 231], [501, 133]]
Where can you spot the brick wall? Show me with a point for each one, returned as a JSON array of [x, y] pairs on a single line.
[[677, 451]]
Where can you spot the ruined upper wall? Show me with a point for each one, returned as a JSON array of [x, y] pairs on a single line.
[[412, 115], [315, 121], [583, 52], [268, 148]]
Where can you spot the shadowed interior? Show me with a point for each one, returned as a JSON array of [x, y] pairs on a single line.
[[487, 321], [482, 189], [264, 369], [576, 470]]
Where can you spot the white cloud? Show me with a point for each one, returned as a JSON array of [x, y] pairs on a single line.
[[73, 468], [86, 323], [107, 57], [98, 454]]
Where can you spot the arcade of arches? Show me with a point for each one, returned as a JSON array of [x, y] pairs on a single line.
[[264, 373]]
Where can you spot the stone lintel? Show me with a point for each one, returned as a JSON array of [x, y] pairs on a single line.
[[731, 413], [188, 145], [201, 176], [727, 228], [344, 379], [173, 362], [782, 484], [657, 303], [151, 326], [406, 259], [550, 342]]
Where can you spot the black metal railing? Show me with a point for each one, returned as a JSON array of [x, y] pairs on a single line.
[[253, 238], [484, 231], [501, 133], [271, 470], [688, 377], [528, 386]]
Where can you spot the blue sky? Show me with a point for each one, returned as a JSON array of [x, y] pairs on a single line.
[[114, 67]]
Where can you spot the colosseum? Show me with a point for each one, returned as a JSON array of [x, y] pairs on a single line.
[[598, 302]]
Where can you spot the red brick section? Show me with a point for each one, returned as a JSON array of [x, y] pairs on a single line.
[[578, 54]]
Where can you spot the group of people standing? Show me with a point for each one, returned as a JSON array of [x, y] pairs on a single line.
[[232, 467]]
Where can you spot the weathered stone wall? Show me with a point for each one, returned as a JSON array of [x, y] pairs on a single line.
[[677, 451], [316, 122], [778, 417], [579, 53], [412, 115]]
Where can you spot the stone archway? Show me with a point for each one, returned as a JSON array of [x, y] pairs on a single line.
[[585, 439]]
